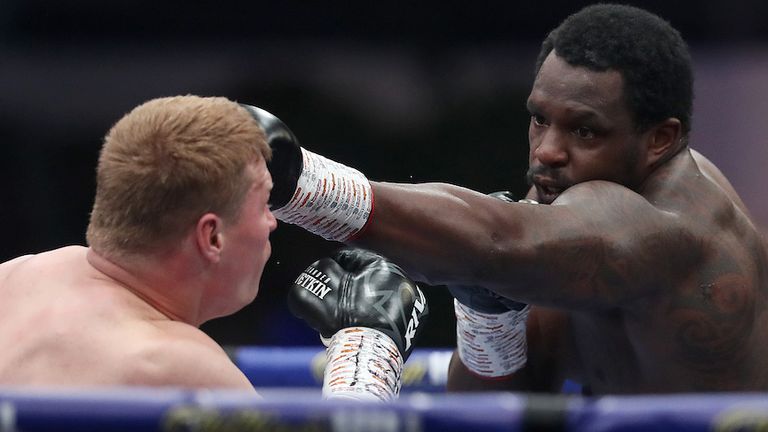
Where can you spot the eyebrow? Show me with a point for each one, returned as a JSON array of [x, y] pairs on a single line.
[[585, 115], [578, 115]]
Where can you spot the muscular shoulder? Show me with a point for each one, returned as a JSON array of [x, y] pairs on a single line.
[[43, 259], [712, 172], [620, 238], [4, 266], [7, 267], [180, 355], [618, 212], [34, 266]]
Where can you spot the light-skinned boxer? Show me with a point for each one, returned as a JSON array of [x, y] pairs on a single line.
[[179, 234]]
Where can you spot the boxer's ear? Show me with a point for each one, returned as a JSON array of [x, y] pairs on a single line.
[[662, 138], [208, 236]]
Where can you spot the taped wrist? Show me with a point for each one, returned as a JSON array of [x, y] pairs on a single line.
[[363, 364], [491, 345], [331, 200]]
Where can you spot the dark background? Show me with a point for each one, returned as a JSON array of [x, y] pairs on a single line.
[[432, 91]]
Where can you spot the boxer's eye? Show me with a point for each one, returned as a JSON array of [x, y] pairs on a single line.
[[584, 133]]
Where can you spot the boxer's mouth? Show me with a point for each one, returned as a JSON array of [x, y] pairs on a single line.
[[547, 190]]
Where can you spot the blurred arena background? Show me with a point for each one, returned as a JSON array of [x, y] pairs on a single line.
[[411, 92]]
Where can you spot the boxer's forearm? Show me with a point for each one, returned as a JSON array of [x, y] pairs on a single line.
[[440, 233]]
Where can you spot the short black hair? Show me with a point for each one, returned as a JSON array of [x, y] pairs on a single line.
[[650, 54]]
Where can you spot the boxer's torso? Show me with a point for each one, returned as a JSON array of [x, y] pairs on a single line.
[[64, 323], [704, 330]]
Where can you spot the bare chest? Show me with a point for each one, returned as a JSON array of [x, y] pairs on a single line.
[[703, 337]]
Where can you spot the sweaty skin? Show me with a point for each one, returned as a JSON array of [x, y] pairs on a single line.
[[72, 317], [85, 329], [646, 272]]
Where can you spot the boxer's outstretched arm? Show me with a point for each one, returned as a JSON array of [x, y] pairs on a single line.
[[597, 238], [596, 246]]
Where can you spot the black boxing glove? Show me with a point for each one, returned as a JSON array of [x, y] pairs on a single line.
[[369, 314], [490, 329], [359, 288], [286, 156], [322, 196]]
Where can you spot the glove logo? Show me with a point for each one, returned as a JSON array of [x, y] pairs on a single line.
[[314, 281], [413, 323]]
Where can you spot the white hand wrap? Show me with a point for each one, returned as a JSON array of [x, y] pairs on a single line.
[[331, 200], [363, 364], [491, 345]]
